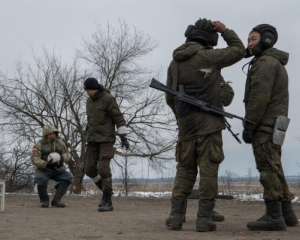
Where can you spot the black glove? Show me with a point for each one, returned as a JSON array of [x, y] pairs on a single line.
[[124, 142], [248, 135]]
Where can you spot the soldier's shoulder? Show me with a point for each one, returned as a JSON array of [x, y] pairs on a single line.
[[60, 141], [107, 96], [266, 60]]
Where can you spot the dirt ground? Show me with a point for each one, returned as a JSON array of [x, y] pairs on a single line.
[[132, 219]]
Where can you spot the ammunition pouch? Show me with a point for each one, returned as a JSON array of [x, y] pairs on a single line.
[[226, 94], [280, 128]]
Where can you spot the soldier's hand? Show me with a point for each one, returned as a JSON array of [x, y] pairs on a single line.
[[124, 142], [219, 26]]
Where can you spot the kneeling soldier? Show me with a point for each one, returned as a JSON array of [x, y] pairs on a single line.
[[48, 156]]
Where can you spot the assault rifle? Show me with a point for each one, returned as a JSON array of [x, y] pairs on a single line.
[[204, 106]]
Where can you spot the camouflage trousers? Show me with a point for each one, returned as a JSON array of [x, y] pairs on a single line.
[[205, 153], [268, 163], [97, 165]]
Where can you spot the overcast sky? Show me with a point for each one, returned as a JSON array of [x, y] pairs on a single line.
[[27, 26]]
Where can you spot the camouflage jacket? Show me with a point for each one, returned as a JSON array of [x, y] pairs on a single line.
[[266, 93], [198, 70], [43, 148], [103, 115]]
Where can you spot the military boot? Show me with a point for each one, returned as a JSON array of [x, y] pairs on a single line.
[[288, 213], [102, 202], [61, 190], [177, 214], [43, 195], [204, 221], [184, 214], [217, 217], [99, 185], [271, 221], [106, 204]]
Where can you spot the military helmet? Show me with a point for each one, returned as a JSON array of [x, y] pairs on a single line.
[[47, 130], [202, 31], [268, 34]]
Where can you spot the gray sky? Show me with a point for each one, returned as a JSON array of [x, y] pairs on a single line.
[[27, 26]]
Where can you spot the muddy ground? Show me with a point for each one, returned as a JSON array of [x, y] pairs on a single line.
[[132, 219]]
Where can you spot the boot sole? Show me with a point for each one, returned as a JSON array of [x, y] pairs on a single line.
[[107, 210], [174, 228], [292, 224], [215, 219], [206, 229], [267, 228]]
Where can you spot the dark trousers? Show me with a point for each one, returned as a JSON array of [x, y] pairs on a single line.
[[42, 177], [97, 164]]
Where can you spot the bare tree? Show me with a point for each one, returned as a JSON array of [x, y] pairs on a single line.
[[49, 92], [114, 57], [15, 167]]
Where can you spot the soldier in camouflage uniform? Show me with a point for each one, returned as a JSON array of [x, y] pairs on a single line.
[[48, 156], [196, 70], [266, 98], [104, 116]]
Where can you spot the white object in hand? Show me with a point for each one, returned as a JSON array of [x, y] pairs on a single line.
[[123, 130], [54, 157]]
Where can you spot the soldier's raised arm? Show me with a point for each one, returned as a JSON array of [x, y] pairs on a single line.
[[223, 57]]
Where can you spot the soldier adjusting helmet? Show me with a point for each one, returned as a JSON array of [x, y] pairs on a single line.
[[203, 32]]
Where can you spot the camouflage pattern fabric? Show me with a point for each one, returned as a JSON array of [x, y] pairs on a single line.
[[97, 165], [205, 153]]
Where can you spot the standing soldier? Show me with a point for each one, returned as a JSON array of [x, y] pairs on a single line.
[[48, 156], [103, 115], [266, 101], [196, 70]]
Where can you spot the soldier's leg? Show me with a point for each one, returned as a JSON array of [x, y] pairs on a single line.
[[210, 155], [184, 181], [270, 179], [105, 156], [41, 179], [287, 210], [91, 163], [63, 179]]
